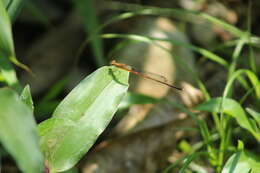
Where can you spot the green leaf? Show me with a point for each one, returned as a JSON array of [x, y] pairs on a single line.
[[255, 115], [14, 7], [6, 38], [183, 64], [183, 15], [135, 98], [8, 73], [6, 2], [90, 21], [184, 146], [81, 117], [35, 10], [148, 39], [232, 108], [50, 101], [7, 46], [242, 161], [18, 132], [252, 77], [187, 162], [26, 97], [204, 130], [44, 109], [72, 170], [55, 90], [240, 145]]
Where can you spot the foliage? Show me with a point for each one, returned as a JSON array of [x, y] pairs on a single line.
[[79, 119]]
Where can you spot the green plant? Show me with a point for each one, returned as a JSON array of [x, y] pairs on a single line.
[[59, 142], [78, 120]]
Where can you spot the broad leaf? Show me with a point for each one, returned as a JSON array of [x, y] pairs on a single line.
[[18, 132], [81, 117], [242, 161]]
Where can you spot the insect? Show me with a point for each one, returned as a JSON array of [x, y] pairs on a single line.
[[146, 75]]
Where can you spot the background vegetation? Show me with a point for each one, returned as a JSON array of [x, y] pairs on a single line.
[[63, 108]]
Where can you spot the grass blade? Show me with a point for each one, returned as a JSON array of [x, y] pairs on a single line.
[[252, 77], [184, 15], [148, 39], [90, 21], [232, 108]]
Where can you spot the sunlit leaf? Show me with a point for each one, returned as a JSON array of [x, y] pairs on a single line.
[[242, 161], [254, 114], [252, 77], [232, 108], [6, 2], [26, 97], [8, 72], [6, 38], [18, 132], [81, 117]]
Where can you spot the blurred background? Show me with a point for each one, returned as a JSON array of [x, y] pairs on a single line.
[[63, 41]]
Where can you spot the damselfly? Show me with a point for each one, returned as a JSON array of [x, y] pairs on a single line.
[[146, 75]]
